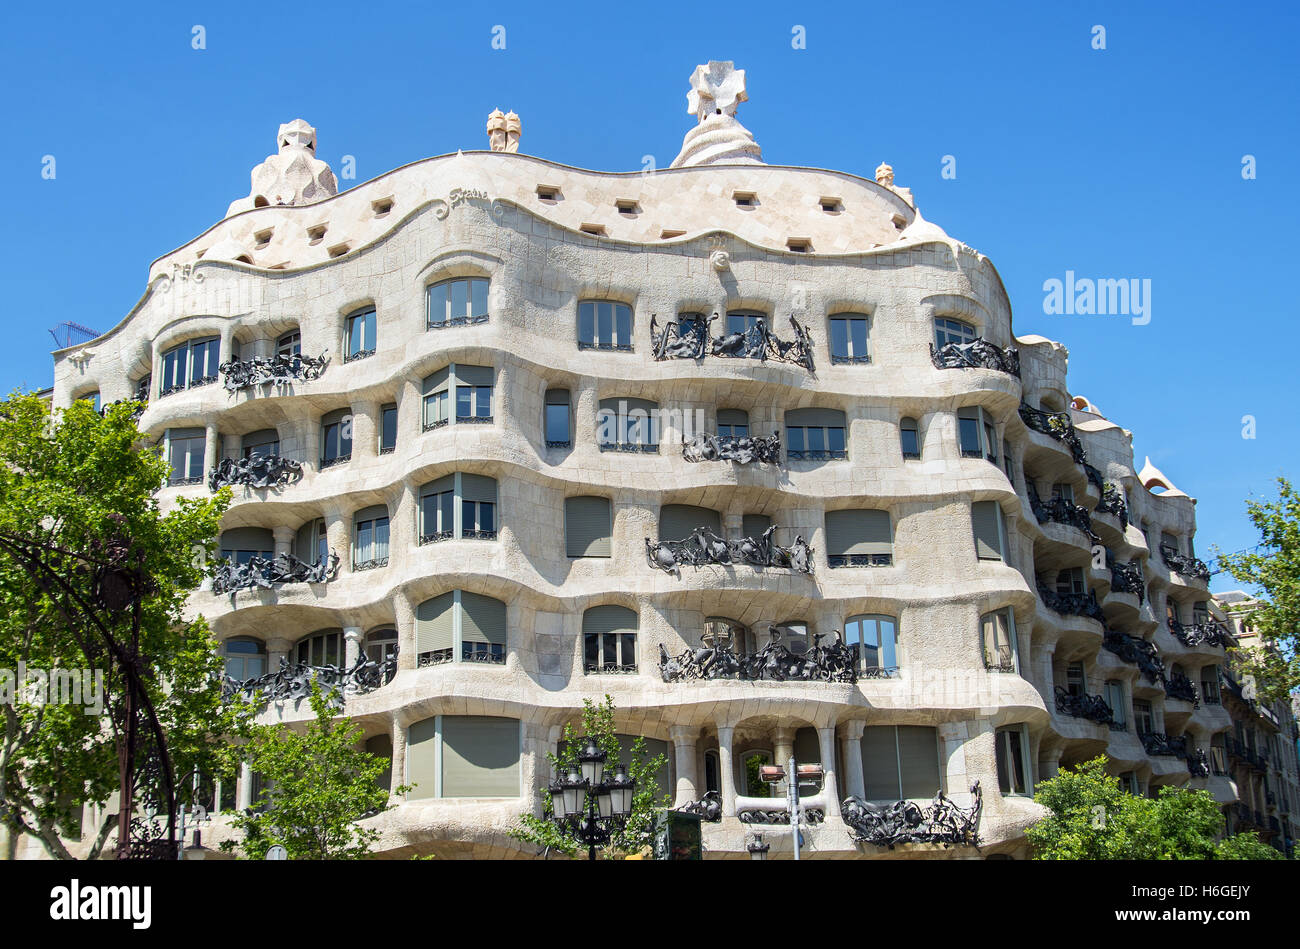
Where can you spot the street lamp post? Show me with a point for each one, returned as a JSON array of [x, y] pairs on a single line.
[[792, 774], [588, 806]]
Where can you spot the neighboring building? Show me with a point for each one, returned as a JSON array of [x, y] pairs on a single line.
[[999, 571], [1261, 748]]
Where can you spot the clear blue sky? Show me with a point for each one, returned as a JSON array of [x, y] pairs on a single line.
[[1117, 163]]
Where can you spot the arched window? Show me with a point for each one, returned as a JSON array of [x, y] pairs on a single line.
[[245, 658], [458, 302], [679, 521], [849, 338], [609, 639], [361, 340], [322, 648], [370, 538], [461, 625], [381, 644], [604, 324], [815, 435], [336, 437], [909, 438], [242, 544], [722, 633], [794, 634], [875, 637], [859, 538], [947, 330], [998, 640], [628, 425]]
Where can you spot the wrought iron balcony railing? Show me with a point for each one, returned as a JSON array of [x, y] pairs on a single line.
[[436, 537], [609, 668], [775, 662], [358, 355], [229, 576], [816, 454], [1199, 634], [647, 448], [336, 460], [705, 547], [434, 425], [1139, 652], [1178, 686], [1126, 577], [905, 822], [1004, 663], [1056, 425], [1158, 744], [1112, 502], [182, 386], [435, 657], [742, 449], [1061, 511], [688, 337], [175, 482], [456, 321], [489, 653], [1187, 566], [567, 443], [977, 354], [293, 681], [372, 564], [255, 471], [605, 347], [1092, 707], [859, 560], [280, 370], [1072, 604], [473, 419]]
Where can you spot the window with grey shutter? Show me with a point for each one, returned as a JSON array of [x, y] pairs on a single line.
[[438, 510], [733, 423], [815, 434], [755, 525], [265, 442], [436, 404], [478, 503], [185, 448], [587, 526], [918, 758], [381, 746], [558, 419], [435, 629], [609, 639], [473, 393], [984, 516], [482, 628], [859, 538], [480, 756], [679, 521], [422, 759], [880, 763], [243, 543]]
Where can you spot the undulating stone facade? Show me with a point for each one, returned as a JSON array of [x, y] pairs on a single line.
[[975, 536]]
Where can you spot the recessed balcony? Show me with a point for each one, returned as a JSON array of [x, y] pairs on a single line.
[[977, 354], [1138, 652], [255, 471], [1182, 564], [1094, 708], [259, 572], [281, 369]]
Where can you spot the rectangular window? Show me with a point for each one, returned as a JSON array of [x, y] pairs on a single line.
[[473, 403], [998, 637], [1011, 756], [900, 762], [336, 437], [1115, 699], [458, 302], [587, 526], [1063, 491], [1074, 679], [990, 531], [952, 331], [740, 321], [968, 433], [859, 538], [876, 639], [1070, 582], [1142, 717], [558, 422], [185, 452], [604, 324], [388, 429], [361, 335], [204, 360], [849, 340], [372, 543], [289, 344]]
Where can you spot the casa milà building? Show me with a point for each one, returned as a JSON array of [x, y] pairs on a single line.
[[752, 449]]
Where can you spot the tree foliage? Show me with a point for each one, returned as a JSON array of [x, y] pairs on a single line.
[[316, 786], [1274, 569], [1093, 818], [76, 481], [638, 834]]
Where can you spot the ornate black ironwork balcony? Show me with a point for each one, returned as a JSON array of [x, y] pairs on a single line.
[[688, 337], [816, 454], [607, 347], [336, 460], [1139, 652], [1072, 604], [558, 444], [293, 681], [436, 537], [255, 471], [136, 412], [1178, 686], [1057, 425], [1092, 707], [859, 560], [473, 420], [1187, 566], [180, 482], [863, 360], [1061, 511], [1094, 476], [705, 547], [707, 808], [741, 449], [905, 822], [609, 668], [371, 564], [171, 390], [472, 534], [434, 425], [142, 389], [877, 672], [775, 662], [1005, 663], [435, 657], [358, 355], [977, 354], [281, 369], [1198, 763], [1158, 744], [457, 321], [493, 654], [1200, 634], [1113, 502], [1126, 577], [811, 815], [230, 577]]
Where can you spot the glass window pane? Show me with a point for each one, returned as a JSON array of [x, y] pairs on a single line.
[[624, 325], [968, 429], [446, 507], [459, 290], [858, 336], [909, 442], [478, 297], [389, 436], [486, 516], [605, 323], [839, 338], [835, 439], [587, 323], [483, 401], [794, 436], [467, 519], [365, 540], [463, 396], [816, 439], [557, 423]]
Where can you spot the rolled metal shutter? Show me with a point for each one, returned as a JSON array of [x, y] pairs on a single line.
[[480, 756], [587, 527]]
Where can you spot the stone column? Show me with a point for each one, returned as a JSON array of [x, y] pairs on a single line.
[[365, 436], [397, 735], [782, 740], [404, 620], [352, 645], [826, 738], [403, 535], [277, 649], [726, 775], [245, 786], [854, 781], [284, 538], [684, 738], [211, 448], [338, 531]]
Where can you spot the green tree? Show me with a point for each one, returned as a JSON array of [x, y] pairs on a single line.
[[1246, 846], [316, 785], [1092, 818], [638, 834], [1274, 569], [75, 483]]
